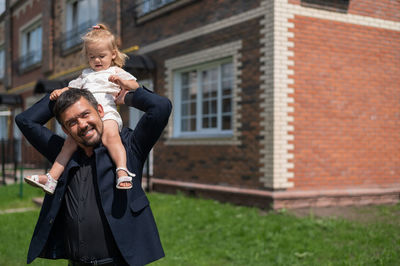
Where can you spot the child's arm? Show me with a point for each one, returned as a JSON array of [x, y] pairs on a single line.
[[56, 93], [124, 84], [75, 83]]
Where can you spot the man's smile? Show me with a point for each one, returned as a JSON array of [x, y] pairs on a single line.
[[87, 132]]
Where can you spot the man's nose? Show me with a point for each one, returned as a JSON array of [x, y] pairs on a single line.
[[82, 123]]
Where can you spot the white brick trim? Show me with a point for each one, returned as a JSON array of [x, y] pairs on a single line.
[[275, 154], [230, 49], [341, 17], [267, 87]]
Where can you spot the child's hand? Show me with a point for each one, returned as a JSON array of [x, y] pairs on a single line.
[[124, 84], [115, 79], [56, 93]]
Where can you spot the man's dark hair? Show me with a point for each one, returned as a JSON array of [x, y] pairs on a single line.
[[68, 98]]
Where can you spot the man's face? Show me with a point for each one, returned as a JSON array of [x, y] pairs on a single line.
[[83, 123]]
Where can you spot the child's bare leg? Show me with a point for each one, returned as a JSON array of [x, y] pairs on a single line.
[[112, 140], [63, 158], [61, 161]]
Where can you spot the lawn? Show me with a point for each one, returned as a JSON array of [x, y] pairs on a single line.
[[205, 232]]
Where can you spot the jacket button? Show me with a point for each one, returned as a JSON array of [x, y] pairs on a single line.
[[51, 220]]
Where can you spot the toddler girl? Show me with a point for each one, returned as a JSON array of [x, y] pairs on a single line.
[[104, 79]]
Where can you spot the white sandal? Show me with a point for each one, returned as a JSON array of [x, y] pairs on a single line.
[[49, 187], [122, 179]]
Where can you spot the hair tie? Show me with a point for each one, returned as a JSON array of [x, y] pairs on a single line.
[[96, 27]]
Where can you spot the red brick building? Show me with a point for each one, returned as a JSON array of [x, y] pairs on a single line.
[[285, 102], [312, 116]]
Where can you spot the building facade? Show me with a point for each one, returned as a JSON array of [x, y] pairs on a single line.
[[42, 44], [281, 103]]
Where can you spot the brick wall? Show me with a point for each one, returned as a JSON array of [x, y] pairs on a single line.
[[383, 9], [196, 14], [236, 165], [347, 105], [22, 15]]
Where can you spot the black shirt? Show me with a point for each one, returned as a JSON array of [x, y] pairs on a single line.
[[87, 234]]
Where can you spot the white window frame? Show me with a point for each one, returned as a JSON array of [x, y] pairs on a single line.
[[79, 18], [201, 131], [31, 39], [226, 50]]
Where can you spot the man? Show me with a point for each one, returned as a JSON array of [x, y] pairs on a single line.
[[87, 220]]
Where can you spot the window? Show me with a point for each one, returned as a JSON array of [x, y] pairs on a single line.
[[331, 5], [203, 99], [2, 6], [31, 46], [147, 6], [4, 115], [2, 62], [80, 16]]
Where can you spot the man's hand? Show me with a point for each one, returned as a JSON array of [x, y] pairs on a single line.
[[120, 99], [56, 93]]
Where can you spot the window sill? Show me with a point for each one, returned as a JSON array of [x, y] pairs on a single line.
[[223, 140], [30, 68], [72, 49]]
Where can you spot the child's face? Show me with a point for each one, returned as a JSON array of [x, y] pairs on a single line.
[[100, 56]]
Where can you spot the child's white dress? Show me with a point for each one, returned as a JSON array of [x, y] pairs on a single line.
[[103, 90]]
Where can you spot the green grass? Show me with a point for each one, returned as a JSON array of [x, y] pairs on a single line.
[[205, 232], [16, 228], [10, 196]]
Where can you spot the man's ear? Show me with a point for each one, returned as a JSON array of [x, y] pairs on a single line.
[[100, 110]]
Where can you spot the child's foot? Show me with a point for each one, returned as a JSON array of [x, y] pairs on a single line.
[[124, 180], [46, 182]]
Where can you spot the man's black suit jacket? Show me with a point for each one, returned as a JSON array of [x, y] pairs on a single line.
[[127, 211]]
